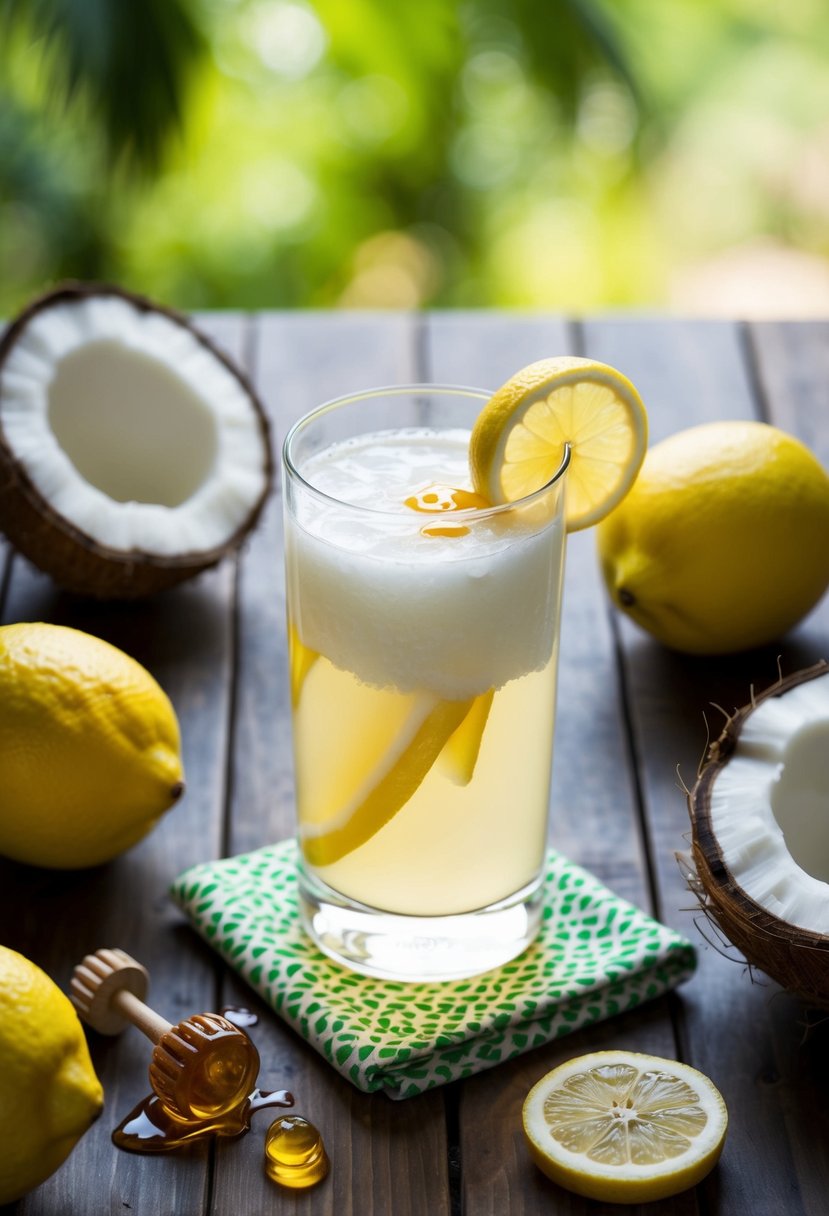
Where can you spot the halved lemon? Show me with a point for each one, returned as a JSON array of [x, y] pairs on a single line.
[[625, 1127], [519, 438]]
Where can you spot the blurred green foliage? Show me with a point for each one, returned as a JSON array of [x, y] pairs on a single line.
[[572, 154]]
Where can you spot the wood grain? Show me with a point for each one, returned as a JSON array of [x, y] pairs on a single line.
[[300, 361], [630, 712], [183, 638], [594, 809], [732, 1029]]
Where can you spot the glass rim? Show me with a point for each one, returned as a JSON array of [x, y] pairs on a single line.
[[406, 390]]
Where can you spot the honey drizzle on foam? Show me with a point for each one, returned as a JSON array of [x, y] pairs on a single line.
[[357, 580], [437, 499]]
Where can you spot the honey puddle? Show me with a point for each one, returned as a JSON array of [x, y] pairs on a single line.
[[155, 1126], [152, 1128]]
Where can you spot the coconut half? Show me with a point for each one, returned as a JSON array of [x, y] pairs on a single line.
[[133, 453], [760, 829]]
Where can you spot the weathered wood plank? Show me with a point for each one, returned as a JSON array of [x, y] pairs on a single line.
[[687, 372], [792, 362], [594, 817], [300, 360], [385, 1156], [734, 1031], [589, 745], [183, 638]]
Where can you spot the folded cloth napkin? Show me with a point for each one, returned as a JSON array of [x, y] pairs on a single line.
[[594, 956]]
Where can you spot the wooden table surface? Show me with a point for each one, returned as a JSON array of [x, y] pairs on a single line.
[[630, 715]]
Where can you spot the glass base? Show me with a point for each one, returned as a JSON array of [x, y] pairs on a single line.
[[390, 946]]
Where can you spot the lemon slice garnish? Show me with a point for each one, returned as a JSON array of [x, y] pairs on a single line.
[[419, 741], [460, 755], [625, 1127], [300, 661], [519, 438]]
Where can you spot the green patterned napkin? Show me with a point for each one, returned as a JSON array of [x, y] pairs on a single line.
[[595, 956]]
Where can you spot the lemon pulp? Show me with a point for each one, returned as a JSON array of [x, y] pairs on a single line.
[[520, 436], [625, 1126]]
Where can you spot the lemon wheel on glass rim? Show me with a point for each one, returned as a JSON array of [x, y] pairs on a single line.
[[519, 439], [625, 1127]]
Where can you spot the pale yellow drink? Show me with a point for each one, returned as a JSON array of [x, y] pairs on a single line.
[[457, 844], [423, 669]]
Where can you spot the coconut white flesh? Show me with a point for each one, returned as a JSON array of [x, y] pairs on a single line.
[[131, 429], [770, 806]]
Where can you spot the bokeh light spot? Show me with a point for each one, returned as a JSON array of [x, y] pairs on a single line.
[[287, 37]]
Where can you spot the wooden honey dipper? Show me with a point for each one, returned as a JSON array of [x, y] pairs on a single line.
[[202, 1068]]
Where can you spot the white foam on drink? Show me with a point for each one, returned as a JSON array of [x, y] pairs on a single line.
[[456, 615]]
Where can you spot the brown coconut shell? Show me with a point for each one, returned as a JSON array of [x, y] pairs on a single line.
[[75, 560], [796, 958]]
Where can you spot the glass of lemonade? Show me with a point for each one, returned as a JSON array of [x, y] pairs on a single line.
[[423, 630]]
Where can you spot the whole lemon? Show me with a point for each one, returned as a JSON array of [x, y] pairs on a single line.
[[49, 1094], [723, 542], [89, 748]]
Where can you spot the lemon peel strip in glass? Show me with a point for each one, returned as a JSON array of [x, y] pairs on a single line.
[[300, 661], [460, 755], [392, 790]]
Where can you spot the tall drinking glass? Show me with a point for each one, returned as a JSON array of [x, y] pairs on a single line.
[[423, 630]]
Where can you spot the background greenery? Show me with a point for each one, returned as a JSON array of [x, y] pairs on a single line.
[[574, 154]]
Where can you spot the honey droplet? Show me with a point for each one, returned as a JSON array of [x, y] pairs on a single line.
[[240, 1015], [295, 1155]]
